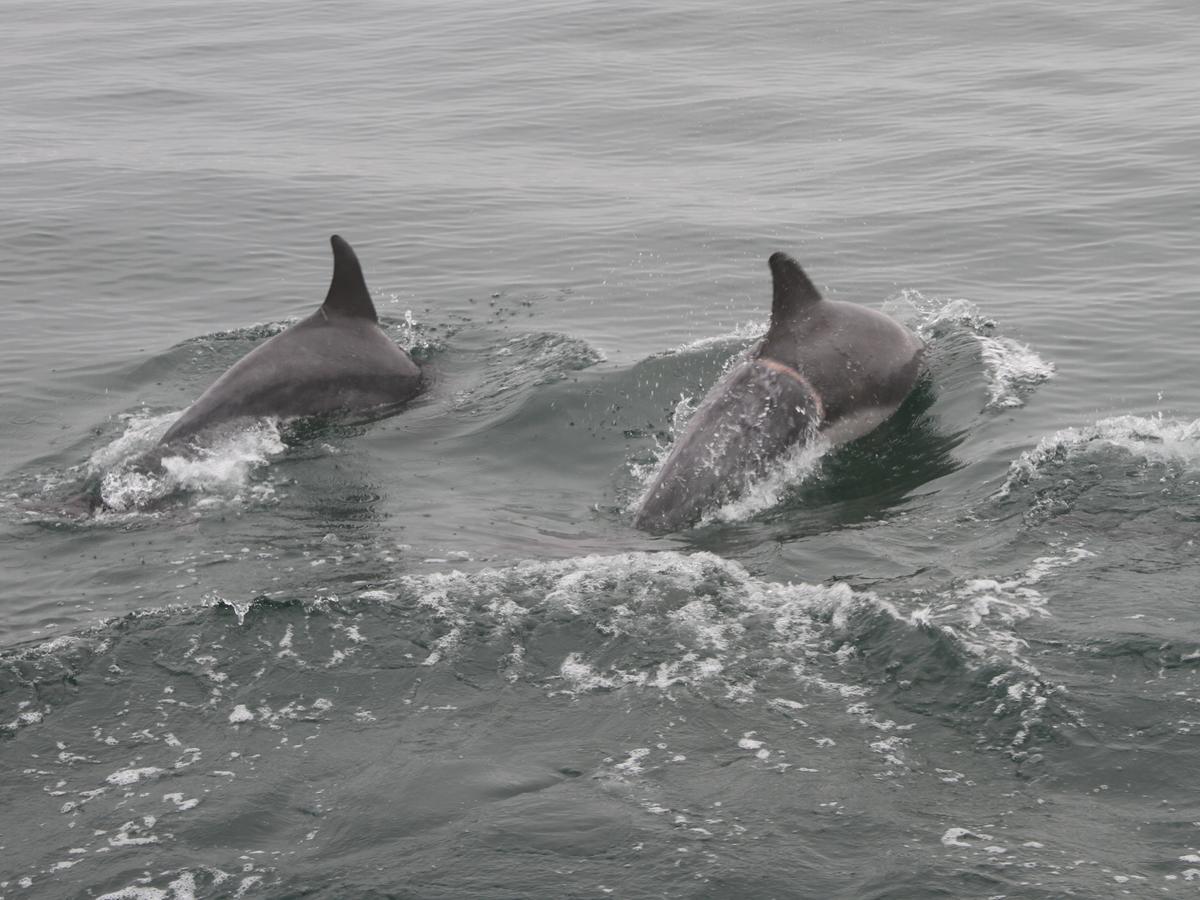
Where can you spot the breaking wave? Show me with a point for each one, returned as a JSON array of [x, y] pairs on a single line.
[[1155, 439]]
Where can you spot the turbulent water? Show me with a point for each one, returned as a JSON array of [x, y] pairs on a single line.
[[429, 656]]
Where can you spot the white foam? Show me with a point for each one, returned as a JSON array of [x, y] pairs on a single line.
[[180, 803], [226, 465], [581, 676], [377, 596], [981, 613], [704, 613], [981, 616], [1013, 370], [135, 834], [1044, 565], [182, 888], [219, 470], [961, 837], [634, 764], [142, 432], [748, 742], [1153, 438], [133, 776]]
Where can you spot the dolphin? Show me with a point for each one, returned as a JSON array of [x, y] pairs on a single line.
[[825, 369], [338, 360]]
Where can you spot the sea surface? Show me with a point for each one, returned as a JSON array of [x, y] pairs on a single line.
[[429, 656]]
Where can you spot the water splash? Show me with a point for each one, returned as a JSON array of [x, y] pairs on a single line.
[[1155, 439], [742, 333], [520, 363], [1013, 370], [219, 471], [801, 463], [142, 432], [759, 492]]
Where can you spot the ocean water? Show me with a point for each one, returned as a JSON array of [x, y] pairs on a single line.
[[429, 656]]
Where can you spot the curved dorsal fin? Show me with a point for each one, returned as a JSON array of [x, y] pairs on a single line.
[[793, 291], [348, 294]]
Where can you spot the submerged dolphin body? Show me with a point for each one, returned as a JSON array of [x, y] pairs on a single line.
[[336, 360], [825, 368]]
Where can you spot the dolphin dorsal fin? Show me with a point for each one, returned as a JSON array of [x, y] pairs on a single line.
[[793, 291], [348, 294]]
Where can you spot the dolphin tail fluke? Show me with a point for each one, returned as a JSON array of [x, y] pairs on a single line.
[[348, 295]]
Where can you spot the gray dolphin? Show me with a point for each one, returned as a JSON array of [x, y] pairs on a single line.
[[336, 360], [825, 368]]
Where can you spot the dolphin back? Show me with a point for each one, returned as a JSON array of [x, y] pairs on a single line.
[[751, 416], [860, 362], [827, 367], [337, 360]]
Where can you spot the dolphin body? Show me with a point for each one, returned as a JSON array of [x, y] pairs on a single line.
[[338, 360], [825, 369]]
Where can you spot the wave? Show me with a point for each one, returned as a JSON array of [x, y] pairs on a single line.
[[1013, 370], [1155, 440], [281, 719]]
